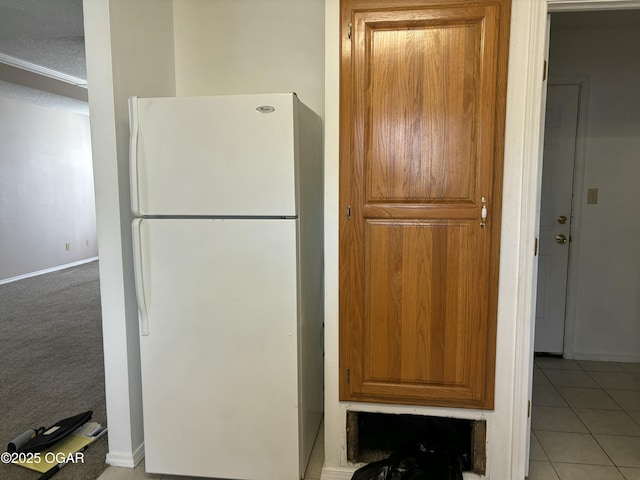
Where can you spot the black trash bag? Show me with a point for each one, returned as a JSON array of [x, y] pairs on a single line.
[[417, 462]]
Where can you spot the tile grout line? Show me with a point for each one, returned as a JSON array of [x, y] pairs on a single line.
[[600, 387], [588, 430], [591, 433]]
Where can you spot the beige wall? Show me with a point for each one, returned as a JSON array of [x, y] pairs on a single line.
[[129, 47], [46, 189], [250, 46], [507, 434], [499, 421], [220, 47]]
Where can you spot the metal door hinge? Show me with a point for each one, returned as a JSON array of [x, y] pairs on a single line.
[[544, 71], [348, 212], [349, 30], [535, 248], [348, 375], [529, 409]]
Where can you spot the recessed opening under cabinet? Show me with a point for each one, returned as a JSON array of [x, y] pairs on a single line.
[[374, 436]]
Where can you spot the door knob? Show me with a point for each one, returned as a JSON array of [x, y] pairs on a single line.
[[561, 239], [562, 219]]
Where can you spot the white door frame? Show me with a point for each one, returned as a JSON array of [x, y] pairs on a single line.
[[529, 136]]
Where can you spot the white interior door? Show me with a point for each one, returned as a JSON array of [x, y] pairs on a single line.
[[555, 215]]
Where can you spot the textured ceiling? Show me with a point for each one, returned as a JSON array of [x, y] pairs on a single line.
[[32, 19], [43, 98], [48, 33]]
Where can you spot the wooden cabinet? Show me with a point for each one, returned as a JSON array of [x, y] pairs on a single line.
[[422, 93]]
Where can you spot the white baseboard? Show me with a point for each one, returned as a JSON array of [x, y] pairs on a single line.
[[337, 473], [138, 454], [606, 357], [120, 460], [48, 270], [125, 459]]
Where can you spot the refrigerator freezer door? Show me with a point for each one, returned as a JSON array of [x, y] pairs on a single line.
[[213, 156], [219, 371]]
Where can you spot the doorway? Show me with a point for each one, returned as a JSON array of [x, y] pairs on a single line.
[[585, 281], [599, 297]]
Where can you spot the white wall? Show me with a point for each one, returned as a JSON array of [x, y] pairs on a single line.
[[46, 188], [507, 423], [129, 48], [252, 46], [605, 251], [502, 445], [196, 43], [507, 434], [131, 51]]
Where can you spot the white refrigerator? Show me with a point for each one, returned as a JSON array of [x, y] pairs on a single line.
[[227, 241]]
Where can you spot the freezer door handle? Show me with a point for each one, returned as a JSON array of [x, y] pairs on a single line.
[[139, 278], [133, 154]]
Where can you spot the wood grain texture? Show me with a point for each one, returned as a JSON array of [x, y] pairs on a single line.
[[416, 301], [423, 88], [420, 141]]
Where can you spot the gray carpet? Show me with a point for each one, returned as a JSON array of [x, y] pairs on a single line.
[[51, 361]]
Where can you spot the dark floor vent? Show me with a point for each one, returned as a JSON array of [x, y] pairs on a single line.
[[374, 436]]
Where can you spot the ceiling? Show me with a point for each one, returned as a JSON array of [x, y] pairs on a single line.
[[47, 33], [42, 33], [40, 18]]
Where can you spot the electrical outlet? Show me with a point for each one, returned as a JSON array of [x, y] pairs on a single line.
[[592, 196], [67, 246]]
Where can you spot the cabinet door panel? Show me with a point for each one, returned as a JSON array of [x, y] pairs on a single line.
[[421, 138], [422, 122]]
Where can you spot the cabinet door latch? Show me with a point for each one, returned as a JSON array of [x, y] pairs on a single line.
[[483, 213]]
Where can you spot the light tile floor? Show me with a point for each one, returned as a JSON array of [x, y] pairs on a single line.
[[314, 469], [585, 420], [585, 425]]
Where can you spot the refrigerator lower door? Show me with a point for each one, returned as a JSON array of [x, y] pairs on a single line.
[[219, 356]]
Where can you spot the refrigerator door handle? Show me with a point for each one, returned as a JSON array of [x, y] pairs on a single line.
[[139, 278], [133, 154]]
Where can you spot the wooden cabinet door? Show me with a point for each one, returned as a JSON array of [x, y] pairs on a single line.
[[421, 150]]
